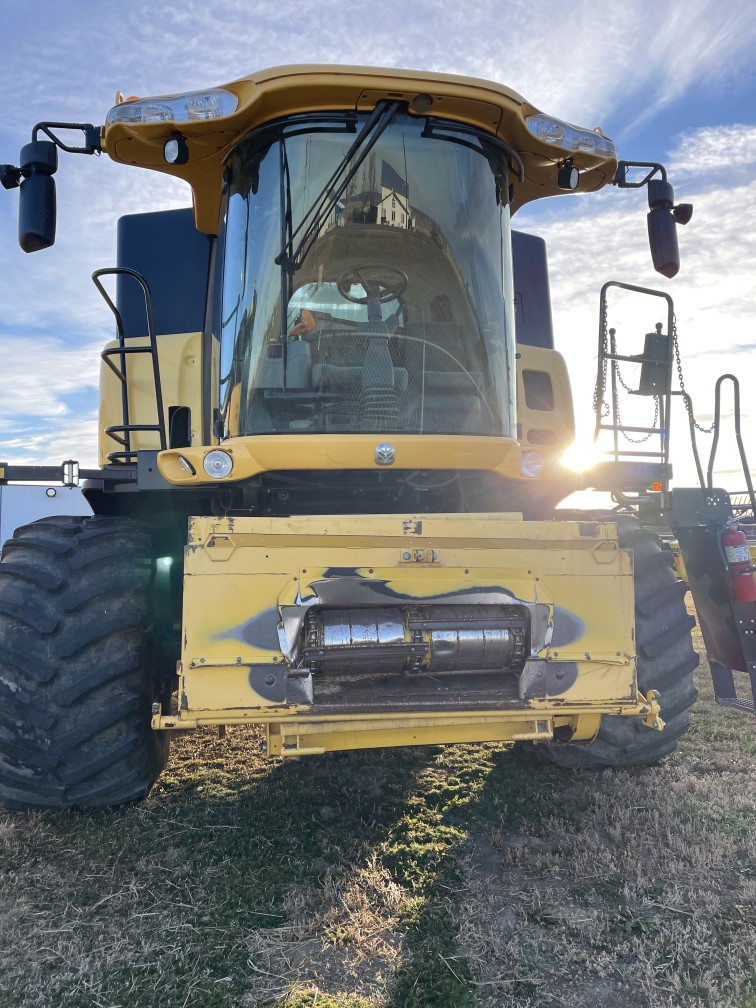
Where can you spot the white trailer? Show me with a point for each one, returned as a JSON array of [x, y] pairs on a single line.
[[21, 504]]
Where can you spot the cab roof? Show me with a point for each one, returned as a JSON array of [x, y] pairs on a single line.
[[268, 95]]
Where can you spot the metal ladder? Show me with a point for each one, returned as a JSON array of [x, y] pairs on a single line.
[[121, 433], [655, 381]]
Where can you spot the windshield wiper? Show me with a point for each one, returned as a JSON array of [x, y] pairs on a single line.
[[290, 258], [498, 153]]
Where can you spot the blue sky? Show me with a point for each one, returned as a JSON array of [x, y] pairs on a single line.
[[670, 81]]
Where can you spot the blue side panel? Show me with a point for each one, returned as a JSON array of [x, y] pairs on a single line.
[[174, 258], [532, 297]]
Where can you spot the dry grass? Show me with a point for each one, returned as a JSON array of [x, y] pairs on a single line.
[[647, 898], [462, 877]]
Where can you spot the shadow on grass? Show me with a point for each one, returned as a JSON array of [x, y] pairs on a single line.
[[467, 787], [159, 900], [171, 889]]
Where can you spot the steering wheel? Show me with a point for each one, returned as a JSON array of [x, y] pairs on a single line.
[[379, 281]]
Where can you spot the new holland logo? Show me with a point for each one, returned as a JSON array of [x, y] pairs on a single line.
[[385, 454]]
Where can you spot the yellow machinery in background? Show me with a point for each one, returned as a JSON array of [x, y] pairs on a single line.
[[331, 427]]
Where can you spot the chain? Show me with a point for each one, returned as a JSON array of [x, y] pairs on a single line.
[[600, 405], [626, 387], [686, 398], [654, 422]]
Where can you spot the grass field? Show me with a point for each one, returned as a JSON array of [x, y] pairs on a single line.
[[463, 877]]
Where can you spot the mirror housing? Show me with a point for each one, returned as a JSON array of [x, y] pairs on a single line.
[[37, 206], [663, 218], [662, 239], [36, 213], [663, 215]]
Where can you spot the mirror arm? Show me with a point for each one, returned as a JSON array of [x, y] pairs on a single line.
[[91, 136], [11, 176], [621, 180]]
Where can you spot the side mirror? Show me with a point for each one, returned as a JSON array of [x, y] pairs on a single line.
[[663, 218], [37, 208], [663, 215], [662, 238], [36, 213]]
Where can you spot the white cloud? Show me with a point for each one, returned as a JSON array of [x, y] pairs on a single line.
[[36, 372], [581, 65], [76, 439], [702, 44], [721, 156]]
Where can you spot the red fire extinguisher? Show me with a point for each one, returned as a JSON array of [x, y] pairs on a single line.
[[739, 566]]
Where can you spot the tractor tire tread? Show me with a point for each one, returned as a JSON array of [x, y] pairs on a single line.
[[666, 661], [75, 665]]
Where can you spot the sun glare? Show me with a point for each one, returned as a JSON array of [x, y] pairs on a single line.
[[581, 455]]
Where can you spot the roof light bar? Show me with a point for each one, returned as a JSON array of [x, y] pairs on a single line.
[[194, 106], [568, 137]]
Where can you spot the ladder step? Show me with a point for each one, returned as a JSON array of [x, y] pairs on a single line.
[[634, 430], [639, 454]]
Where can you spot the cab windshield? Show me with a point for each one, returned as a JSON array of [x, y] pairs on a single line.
[[367, 280]]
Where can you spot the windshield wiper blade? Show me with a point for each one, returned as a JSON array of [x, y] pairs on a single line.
[[290, 258], [436, 129]]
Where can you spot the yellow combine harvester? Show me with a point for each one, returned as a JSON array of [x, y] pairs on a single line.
[[331, 429]]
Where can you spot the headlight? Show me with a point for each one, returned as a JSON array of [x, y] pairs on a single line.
[[194, 106], [218, 464], [531, 464], [570, 138]]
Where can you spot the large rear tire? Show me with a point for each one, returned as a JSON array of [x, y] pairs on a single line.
[[77, 665], [666, 661]]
